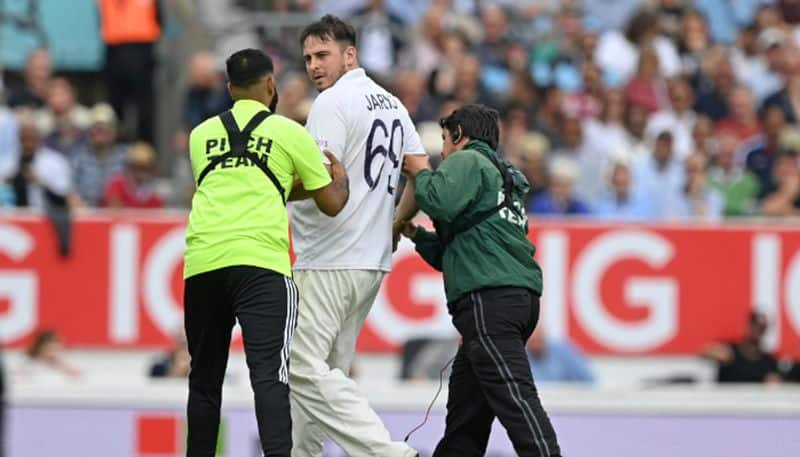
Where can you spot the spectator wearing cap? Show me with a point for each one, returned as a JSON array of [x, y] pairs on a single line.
[[621, 203], [135, 186], [696, 200], [66, 117], [42, 178], [559, 198], [738, 186], [760, 154], [678, 118], [100, 159], [38, 70]]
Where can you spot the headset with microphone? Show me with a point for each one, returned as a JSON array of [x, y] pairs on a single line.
[[455, 135]]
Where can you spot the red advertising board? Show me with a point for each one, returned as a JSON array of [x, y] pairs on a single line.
[[613, 289]]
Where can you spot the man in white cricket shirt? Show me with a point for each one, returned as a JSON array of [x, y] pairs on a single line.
[[342, 260]]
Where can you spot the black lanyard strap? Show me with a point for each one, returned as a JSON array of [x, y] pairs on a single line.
[[238, 140]]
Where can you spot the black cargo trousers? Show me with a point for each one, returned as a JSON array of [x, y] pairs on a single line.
[[265, 304], [491, 376]]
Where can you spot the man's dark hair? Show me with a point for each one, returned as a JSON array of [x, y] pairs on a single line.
[[330, 27], [476, 121], [247, 67]]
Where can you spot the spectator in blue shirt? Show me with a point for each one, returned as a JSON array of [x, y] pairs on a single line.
[[621, 203], [697, 200], [725, 17], [658, 176], [103, 157], [557, 361], [559, 198]]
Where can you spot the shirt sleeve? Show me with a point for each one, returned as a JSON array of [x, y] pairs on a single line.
[[412, 144], [53, 172], [443, 194], [306, 159], [326, 125]]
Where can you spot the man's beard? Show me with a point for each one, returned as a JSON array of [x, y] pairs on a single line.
[[274, 103]]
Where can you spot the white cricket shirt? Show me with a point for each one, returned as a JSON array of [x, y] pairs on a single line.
[[369, 131]]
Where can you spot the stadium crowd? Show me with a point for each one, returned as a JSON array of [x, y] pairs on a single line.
[[613, 109]]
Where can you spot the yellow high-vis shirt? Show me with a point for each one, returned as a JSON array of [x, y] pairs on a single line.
[[238, 215]]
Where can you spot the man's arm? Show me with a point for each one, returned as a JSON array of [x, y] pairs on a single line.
[[720, 353], [405, 211], [407, 206]]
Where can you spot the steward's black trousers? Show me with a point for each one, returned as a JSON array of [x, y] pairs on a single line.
[[265, 304], [492, 378]]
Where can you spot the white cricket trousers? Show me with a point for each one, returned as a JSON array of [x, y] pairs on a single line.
[[324, 400]]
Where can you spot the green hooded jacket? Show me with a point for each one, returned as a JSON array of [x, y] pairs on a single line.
[[494, 253]]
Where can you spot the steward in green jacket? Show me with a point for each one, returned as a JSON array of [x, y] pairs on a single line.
[[479, 242], [493, 285]]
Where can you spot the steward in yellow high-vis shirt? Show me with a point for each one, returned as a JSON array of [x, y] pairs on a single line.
[[236, 266]]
